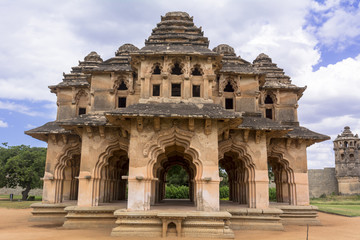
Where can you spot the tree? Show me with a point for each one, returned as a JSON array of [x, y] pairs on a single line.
[[21, 166], [225, 178], [177, 176]]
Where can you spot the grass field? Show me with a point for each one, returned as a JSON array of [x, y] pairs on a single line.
[[344, 205], [16, 203]]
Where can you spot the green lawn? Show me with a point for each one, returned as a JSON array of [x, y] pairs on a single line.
[[344, 205], [17, 197], [16, 203]]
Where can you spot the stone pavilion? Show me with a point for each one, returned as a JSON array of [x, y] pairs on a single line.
[[347, 162], [124, 122]]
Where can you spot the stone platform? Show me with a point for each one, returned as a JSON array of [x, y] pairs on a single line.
[[194, 224], [90, 217], [175, 218], [50, 213], [298, 215]]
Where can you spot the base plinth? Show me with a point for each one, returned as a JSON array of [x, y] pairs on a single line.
[[299, 215], [90, 217], [193, 224], [49, 213], [256, 219]]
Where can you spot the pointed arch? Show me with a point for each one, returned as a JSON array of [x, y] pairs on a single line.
[[80, 93], [170, 137], [244, 190], [197, 70], [124, 79], [223, 82], [278, 156], [67, 155], [156, 68], [98, 175]]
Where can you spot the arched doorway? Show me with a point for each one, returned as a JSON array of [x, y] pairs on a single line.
[[66, 175], [239, 177], [283, 177], [71, 182], [112, 184], [173, 156]]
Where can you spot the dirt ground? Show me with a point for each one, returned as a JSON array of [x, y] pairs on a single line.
[[14, 225]]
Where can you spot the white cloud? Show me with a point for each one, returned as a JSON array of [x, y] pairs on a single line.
[[3, 124], [339, 23], [334, 88], [30, 126], [11, 106]]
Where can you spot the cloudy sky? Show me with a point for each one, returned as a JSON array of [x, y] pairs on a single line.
[[316, 42]]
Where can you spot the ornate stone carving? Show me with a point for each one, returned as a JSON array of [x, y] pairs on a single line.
[[80, 93], [127, 80], [224, 81], [178, 136], [156, 65]]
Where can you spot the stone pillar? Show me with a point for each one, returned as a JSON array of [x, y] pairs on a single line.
[[187, 89], [139, 185], [261, 189], [165, 86], [302, 188], [153, 192], [139, 192], [206, 87]]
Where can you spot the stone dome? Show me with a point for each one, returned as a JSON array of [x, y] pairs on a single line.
[[225, 50], [93, 57], [126, 49], [347, 135], [176, 15], [262, 58]]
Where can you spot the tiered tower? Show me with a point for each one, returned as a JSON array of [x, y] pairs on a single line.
[[347, 162]]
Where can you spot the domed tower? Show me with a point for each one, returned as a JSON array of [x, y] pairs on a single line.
[[347, 162]]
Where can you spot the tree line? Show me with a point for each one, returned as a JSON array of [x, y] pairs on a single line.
[[22, 166]]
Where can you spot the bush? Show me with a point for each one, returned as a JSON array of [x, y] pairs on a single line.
[[224, 192], [272, 194], [176, 192]]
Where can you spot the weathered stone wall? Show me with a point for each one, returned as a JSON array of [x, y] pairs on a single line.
[[18, 190], [322, 181]]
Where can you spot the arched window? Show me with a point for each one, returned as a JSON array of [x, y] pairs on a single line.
[[345, 144], [157, 70], [228, 88], [122, 86], [268, 100], [176, 70], [196, 71]]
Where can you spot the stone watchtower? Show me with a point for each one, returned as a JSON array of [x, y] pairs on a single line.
[[347, 162]]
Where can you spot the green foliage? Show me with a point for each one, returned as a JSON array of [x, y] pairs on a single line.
[[272, 194], [224, 176], [6, 197], [176, 192], [177, 176], [21, 166], [224, 192], [271, 173]]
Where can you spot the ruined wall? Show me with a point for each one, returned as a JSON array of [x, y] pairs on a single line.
[[322, 181], [18, 190]]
